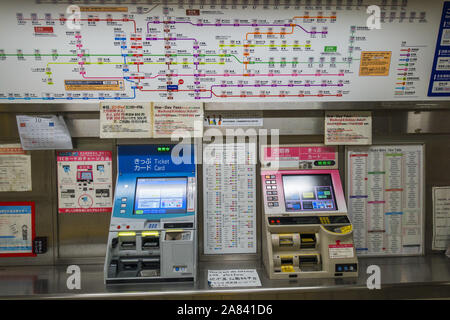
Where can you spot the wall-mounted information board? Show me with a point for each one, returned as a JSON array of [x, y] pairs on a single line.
[[299, 50], [385, 198], [229, 198]]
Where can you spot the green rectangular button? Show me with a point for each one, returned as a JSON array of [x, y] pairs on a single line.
[[330, 48]]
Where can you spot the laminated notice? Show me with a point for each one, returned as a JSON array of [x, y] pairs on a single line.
[[375, 63], [338, 251]]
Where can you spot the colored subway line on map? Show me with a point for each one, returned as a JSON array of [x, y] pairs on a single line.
[[197, 63]]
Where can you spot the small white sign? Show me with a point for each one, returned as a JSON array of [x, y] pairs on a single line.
[[348, 128], [234, 119], [233, 278], [338, 251]]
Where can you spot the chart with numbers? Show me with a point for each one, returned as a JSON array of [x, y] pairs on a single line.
[[220, 50]]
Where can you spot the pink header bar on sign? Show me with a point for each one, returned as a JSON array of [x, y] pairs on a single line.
[[300, 153], [84, 156]]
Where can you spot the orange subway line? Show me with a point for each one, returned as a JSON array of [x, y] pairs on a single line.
[[292, 31]]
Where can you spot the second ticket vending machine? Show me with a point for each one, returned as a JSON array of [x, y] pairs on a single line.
[[306, 230]]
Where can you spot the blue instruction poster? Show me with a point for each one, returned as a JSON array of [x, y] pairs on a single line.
[[17, 229], [440, 74]]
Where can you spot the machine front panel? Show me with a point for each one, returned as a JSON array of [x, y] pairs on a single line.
[[153, 233], [323, 194], [306, 230]]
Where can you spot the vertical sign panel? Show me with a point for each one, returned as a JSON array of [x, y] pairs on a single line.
[[385, 194], [441, 218], [440, 73], [229, 184]]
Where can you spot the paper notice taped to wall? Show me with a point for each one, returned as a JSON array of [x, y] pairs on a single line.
[[84, 181], [15, 169], [126, 120], [348, 128], [184, 119]]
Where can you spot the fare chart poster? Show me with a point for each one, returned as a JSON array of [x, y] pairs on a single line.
[[385, 198]]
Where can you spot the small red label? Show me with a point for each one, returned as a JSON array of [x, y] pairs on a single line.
[[344, 245], [43, 29], [192, 12]]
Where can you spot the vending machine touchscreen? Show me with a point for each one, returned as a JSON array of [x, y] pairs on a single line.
[[153, 234], [306, 230]]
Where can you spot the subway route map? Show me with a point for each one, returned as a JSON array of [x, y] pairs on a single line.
[[271, 51]]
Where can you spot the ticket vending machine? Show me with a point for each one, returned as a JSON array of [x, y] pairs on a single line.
[[306, 230], [153, 234]]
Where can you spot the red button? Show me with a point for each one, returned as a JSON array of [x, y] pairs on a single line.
[[128, 227], [118, 227]]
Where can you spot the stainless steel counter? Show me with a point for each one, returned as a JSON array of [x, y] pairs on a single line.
[[406, 277]]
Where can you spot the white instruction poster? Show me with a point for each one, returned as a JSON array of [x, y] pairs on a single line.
[[15, 169], [348, 128], [186, 118], [84, 181], [125, 120], [233, 278], [441, 218], [43, 133], [229, 195], [385, 197]]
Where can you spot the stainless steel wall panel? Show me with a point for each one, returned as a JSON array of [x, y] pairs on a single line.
[[77, 238], [43, 172]]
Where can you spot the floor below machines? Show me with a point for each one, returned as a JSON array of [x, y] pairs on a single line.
[[401, 278]]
